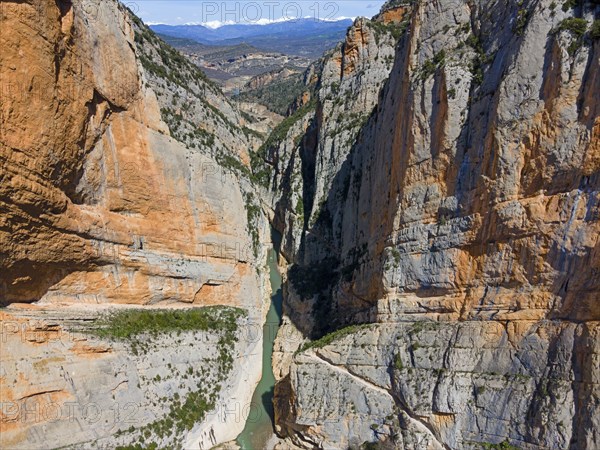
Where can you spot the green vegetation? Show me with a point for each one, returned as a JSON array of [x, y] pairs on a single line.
[[221, 116], [395, 253], [371, 446], [595, 30], [173, 65], [185, 131], [439, 58], [126, 324], [576, 28], [300, 207], [281, 131], [352, 122], [417, 327], [333, 336], [277, 95], [522, 19], [261, 170], [169, 72], [398, 362], [250, 132], [253, 213], [146, 446], [480, 59], [232, 163], [392, 29], [431, 65], [189, 408], [569, 4], [259, 173]]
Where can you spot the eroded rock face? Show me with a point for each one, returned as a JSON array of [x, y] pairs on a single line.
[[99, 203], [114, 191], [469, 203], [64, 386], [341, 91]]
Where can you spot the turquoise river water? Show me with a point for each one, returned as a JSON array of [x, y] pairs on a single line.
[[259, 425]]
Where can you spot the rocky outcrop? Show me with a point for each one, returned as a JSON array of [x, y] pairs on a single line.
[[63, 385], [82, 198], [124, 181], [341, 91], [462, 226]]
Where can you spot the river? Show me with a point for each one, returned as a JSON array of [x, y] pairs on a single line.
[[259, 425]]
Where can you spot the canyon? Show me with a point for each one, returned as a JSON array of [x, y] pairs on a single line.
[[436, 186]]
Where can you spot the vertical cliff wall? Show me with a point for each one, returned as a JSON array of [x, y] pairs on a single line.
[[463, 228], [124, 181]]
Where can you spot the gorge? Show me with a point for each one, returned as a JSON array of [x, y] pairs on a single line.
[[436, 186]]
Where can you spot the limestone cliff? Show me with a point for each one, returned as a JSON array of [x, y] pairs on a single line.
[[124, 180], [460, 227], [300, 158]]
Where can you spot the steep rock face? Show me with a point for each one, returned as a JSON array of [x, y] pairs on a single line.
[[123, 182], [307, 149], [92, 181], [464, 226]]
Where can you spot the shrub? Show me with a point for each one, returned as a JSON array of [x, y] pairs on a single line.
[[521, 22], [398, 362], [505, 445], [569, 4], [126, 324], [577, 27]]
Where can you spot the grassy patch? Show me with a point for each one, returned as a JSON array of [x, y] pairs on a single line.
[[333, 336], [189, 408], [127, 324]]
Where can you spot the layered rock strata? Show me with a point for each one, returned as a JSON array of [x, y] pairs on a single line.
[[462, 226]]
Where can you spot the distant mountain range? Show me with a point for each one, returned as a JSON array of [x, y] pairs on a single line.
[[301, 37]]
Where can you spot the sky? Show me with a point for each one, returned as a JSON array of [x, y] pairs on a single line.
[[215, 13]]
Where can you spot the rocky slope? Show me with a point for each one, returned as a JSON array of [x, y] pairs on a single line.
[[460, 226], [124, 181]]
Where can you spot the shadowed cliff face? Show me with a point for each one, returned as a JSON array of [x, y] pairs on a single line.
[[463, 224]]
